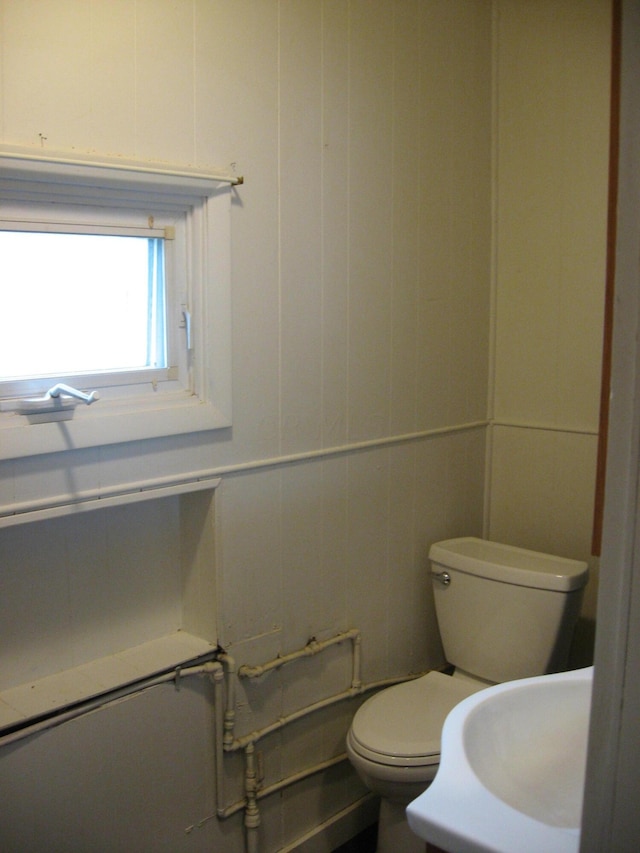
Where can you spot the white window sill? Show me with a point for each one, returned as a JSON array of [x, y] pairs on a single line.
[[108, 422]]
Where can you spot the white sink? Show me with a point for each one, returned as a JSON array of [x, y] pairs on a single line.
[[512, 768]]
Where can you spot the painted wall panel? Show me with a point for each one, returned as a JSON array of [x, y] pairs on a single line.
[[111, 76], [553, 114], [406, 156], [547, 504], [165, 105], [553, 68], [74, 590], [135, 776], [335, 191], [236, 126], [302, 588], [370, 219], [251, 602], [46, 54], [300, 178], [360, 291]]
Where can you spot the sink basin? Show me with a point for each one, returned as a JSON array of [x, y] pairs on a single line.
[[512, 769]]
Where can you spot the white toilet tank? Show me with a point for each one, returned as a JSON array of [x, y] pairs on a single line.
[[505, 612]]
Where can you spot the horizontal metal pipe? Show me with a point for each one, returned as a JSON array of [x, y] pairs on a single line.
[[253, 737], [261, 793], [58, 505], [85, 707], [313, 647], [301, 775], [545, 427], [281, 722]]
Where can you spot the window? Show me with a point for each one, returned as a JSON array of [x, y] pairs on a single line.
[[114, 286], [94, 284]]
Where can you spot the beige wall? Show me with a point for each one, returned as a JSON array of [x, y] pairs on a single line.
[[361, 253], [361, 274], [552, 87]]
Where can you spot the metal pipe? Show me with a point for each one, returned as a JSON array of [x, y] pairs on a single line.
[[281, 722], [218, 681], [34, 510], [356, 682], [301, 775], [251, 812], [230, 708], [313, 647], [227, 742], [84, 707]]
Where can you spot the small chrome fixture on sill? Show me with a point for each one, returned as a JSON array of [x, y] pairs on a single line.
[[57, 404]]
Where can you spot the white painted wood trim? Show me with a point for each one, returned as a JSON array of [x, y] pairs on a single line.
[[144, 490], [33, 699]]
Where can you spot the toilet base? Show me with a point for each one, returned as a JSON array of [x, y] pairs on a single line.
[[394, 834]]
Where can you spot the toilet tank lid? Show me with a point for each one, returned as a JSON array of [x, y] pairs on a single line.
[[509, 564]]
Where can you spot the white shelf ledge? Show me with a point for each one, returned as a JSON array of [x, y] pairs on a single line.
[[34, 699], [144, 490]]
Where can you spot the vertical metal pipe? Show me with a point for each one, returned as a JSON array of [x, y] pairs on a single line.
[[230, 710], [215, 670], [251, 812], [356, 682]]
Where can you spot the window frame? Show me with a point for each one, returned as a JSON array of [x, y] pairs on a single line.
[[196, 205]]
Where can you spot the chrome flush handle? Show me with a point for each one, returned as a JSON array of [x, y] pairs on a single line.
[[442, 577]]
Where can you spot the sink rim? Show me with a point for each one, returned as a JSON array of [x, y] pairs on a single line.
[[458, 809]]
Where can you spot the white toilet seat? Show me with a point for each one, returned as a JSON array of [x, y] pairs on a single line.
[[401, 726]]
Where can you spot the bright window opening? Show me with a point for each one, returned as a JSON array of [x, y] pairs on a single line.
[[80, 303]]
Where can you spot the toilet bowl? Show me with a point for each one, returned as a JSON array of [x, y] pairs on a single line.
[[503, 613], [394, 746]]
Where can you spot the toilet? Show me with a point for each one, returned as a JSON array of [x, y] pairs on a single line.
[[504, 613]]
